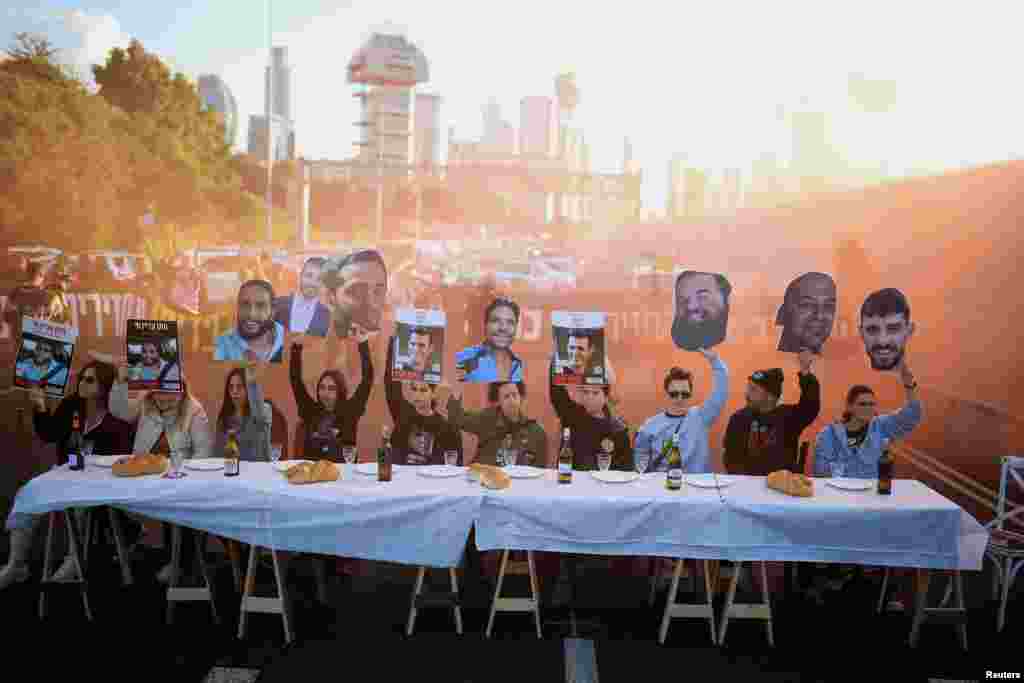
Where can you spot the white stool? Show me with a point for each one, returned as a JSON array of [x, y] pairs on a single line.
[[733, 610], [420, 600], [176, 594], [264, 605], [677, 610], [73, 553], [956, 615], [530, 604]]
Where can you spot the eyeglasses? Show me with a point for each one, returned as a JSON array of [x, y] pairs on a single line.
[[676, 395]]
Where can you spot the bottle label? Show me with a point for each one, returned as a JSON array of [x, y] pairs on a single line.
[[564, 468], [74, 460], [674, 480]]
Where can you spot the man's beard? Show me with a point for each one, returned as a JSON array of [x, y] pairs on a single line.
[[265, 327], [698, 335], [883, 365]]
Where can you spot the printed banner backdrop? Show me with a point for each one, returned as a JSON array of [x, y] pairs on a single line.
[[950, 244]]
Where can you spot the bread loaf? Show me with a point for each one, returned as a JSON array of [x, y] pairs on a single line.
[[139, 465], [312, 472], [790, 483], [490, 476]]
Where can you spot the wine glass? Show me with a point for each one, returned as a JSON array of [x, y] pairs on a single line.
[[451, 458], [88, 447], [177, 458], [604, 460], [276, 450], [838, 469], [511, 457], [640, 462], [348, 454]]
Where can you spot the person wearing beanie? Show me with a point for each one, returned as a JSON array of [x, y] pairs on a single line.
[[763, 437]]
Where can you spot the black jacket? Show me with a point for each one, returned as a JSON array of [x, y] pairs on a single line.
[[347, 413], [775, 445], [110, 437], [407, 421], [586, 432]]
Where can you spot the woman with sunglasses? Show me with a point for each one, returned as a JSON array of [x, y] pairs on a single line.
[[691, 423], [109, 436]]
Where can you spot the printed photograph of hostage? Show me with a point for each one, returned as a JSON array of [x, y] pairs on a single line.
[[807, 314], [701, 306], [357, 290], [885, 328], [420, 348], [152, 354], [255, 329], [302, 312], [579, 348], [44, 356], [493, 359]]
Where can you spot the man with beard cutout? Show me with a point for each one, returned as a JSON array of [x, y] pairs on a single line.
[[256, 329], [701, 310]]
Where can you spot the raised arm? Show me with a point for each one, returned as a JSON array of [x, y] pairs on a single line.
[[565, 408], [466, 420], [712, 408], [397, 405], [899, 424], [303, 400], [121, 406], [356, 404], [807, 409]]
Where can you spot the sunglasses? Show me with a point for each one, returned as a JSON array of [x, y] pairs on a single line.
[[676, 395]]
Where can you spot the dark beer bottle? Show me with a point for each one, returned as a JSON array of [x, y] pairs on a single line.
[[384, 457], [76, 458], [885, 467]]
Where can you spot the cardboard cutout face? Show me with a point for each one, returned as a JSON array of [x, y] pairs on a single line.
[[808, 313], [701, 305], [885, 328]]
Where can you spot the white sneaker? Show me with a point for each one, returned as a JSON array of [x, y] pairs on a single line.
[[67, 573], [165, 573], [12, 574]]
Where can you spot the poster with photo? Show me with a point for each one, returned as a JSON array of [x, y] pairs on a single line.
[[579, 348], [419, 348], [153, 353], [44, 356]]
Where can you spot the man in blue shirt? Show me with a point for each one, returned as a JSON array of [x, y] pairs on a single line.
[[256, 329], [493, 360], [43, 366]]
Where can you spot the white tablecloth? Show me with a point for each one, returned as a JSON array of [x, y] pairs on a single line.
[[915, 527], [411, 520]]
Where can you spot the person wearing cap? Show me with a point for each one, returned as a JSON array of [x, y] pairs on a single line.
[[763, 437]]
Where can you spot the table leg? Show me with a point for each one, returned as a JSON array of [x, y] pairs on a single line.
[[923, 578]]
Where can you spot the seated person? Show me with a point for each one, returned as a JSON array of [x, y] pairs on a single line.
[[505, 417], [691, 423]]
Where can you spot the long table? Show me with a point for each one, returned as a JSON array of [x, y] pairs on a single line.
[[426, 521], [411, 520]]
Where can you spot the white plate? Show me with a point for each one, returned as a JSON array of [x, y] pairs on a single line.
[[205, 464], [614, 476], [437, 471], [847, 484], [285, 465], [104, 460], [524, 472], [706, 481]]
